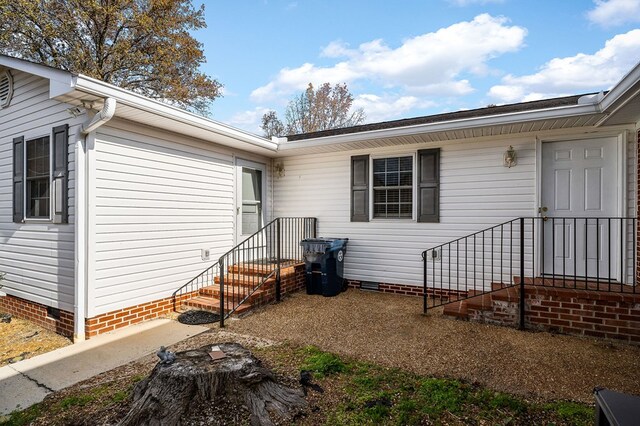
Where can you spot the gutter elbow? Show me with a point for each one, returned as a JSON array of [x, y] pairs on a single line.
[[105, 114]]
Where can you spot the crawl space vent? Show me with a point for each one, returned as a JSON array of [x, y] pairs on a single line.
[[6, 88], [369, 285]]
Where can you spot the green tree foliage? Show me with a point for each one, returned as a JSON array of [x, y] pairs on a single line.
[[141, 45], [329, 107]]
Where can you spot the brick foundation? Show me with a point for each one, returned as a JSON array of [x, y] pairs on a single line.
[[409, 290], [37, 313], [567, 311], [293, 279], [133, 315]]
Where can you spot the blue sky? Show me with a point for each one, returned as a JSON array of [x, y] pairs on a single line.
[[409, 58]]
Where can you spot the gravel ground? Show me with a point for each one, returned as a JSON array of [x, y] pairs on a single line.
[[391, 330]]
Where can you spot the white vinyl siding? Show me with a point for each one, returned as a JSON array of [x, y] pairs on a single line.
[[159, 200], [476, 192], [37, 257]]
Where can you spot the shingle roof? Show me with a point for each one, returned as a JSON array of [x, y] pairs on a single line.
[[458, 115]]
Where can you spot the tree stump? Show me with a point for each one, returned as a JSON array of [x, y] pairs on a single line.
[[174, 390]]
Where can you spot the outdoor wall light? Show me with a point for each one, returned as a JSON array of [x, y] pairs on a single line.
[[510, 157], [279, 169]]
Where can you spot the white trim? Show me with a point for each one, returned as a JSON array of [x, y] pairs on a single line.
[[239, 164], [625, 84], [125, 97], [60, 82], [538, 201], [90, 200], [80, 244], [461, 124]]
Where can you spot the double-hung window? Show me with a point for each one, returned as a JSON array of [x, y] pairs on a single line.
[[40, 177], [393, 187], [397, 187]]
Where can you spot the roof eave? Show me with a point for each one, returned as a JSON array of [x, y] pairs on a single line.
[[98, 88], [461, 124], [60, 81]]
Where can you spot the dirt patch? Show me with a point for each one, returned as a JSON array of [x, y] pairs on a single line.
[[21, 339], [391, 330]]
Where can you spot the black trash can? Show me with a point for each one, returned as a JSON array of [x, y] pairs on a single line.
[[324, 263]]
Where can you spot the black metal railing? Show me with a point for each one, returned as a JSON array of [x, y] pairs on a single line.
[[247, 266], [577, 252], [190, 289]]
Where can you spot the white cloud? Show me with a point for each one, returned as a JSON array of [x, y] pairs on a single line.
[[249, 120], [609, 13], [430, 63], [380, 108], [574, 74]]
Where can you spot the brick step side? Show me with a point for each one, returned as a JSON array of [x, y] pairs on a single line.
[[243, 280], [232, 291], [212, 304], [481, 301], [456, 309]]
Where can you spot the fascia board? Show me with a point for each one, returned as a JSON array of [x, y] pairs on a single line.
[[125, 97], [60, 82], [494, 120], [629, 82]]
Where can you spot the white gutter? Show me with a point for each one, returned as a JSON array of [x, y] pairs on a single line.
[[126, 97], [82, 234], [492, 120]]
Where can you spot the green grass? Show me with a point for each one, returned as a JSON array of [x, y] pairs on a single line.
[[360, 393], [76, 401], [389, 396], [573, 412], [322, 364], [24, 417]]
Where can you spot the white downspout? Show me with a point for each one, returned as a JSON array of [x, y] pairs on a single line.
[[104, 115], [82, 215]]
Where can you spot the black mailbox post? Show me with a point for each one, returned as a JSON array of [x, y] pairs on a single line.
[[324, 263]]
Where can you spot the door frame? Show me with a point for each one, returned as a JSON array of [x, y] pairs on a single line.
[[239, 164], [621, 175]]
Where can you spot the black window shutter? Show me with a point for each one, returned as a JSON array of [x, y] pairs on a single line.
[[429, 185], [18, 179], [360, 188], [60, 174]]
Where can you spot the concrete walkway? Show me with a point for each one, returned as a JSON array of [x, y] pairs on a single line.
[[27, 382]]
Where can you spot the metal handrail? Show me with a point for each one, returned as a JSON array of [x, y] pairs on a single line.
[[264, 250], [197, 282], [519, 247]]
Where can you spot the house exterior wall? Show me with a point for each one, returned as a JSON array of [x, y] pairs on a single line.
[[159, 199], [37, 257], [476, 192]]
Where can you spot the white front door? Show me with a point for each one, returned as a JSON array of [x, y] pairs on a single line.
[[250, 190], [580, 184]]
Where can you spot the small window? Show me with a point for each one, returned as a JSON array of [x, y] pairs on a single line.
[[393, 187], [38, 178]]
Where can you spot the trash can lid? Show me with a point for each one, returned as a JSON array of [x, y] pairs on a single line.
[[323, 243]]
